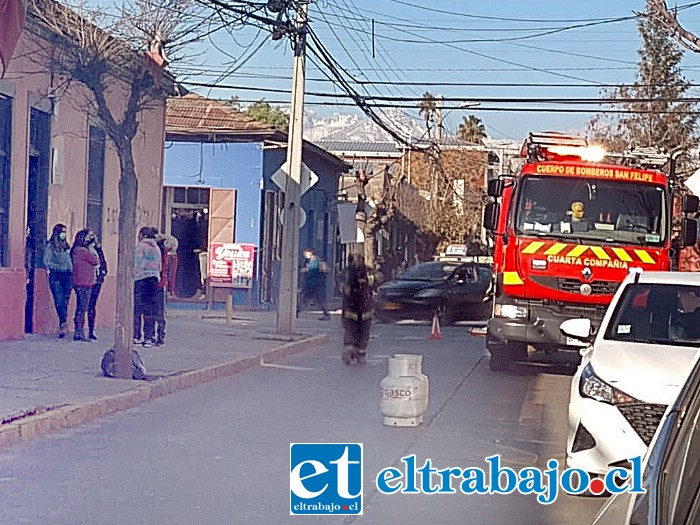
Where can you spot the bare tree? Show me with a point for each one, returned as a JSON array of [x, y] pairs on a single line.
[[454, 179], [120, 53], [668, 18], [664, 119], [383, 209]]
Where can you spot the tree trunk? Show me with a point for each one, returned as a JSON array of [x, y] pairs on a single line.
[[370, 249], [124, 324]]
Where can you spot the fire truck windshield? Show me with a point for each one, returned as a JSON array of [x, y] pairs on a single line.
[[591, 209]]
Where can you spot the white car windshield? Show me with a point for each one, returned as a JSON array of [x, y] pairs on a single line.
[[585, 209], [657, 313]]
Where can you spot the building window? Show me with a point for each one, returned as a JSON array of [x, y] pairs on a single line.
[[5, 147], [191, 195], [38, 187], [96, 179]]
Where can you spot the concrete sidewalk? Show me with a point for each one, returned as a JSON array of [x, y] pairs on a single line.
[[47, 383]]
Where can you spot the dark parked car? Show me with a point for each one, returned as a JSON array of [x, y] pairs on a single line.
[[455, 290]]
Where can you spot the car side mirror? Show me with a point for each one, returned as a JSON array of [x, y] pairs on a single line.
[[577, 329], [495, 188], [689, 232], [691, 203], [491, 213]]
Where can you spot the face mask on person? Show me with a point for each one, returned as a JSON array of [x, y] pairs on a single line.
[[62, 236]]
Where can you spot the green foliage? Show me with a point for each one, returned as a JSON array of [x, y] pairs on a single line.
[[273, 116], [662, 121], [472, 130]]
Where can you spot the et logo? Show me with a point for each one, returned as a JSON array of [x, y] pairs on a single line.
[[325, 478]]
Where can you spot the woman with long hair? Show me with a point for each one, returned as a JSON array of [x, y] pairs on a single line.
[[95, 292], [57, 261], [85, 262], [147, 266]]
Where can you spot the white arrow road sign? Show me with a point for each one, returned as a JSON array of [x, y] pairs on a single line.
[[308, 177]]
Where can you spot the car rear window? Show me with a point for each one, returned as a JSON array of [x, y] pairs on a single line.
[[657, 313], [428, 271]]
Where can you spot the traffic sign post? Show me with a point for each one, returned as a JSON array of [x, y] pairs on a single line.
[[291, 184]]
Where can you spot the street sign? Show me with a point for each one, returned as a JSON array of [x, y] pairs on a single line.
[[693, 183], [308, 177]]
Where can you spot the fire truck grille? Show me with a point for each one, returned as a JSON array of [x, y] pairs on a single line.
[[644, 418], [597, 287]]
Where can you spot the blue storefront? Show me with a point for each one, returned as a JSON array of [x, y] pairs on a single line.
[[211, 146]]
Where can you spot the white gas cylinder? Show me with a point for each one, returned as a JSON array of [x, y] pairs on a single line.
[[404, 391]]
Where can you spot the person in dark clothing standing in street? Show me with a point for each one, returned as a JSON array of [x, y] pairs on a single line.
[[357, 310], [85, 263], [147, 266], [315, 273], [100, 274], [57, 261]]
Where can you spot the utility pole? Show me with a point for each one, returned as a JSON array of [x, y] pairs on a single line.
[[289, 271], [438, 118]]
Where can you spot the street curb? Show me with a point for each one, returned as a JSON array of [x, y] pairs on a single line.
[[78, 414]]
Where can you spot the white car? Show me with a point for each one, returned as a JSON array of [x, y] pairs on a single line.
[[633, 369], [671, 469]]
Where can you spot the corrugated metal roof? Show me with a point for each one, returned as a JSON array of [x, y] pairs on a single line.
[[193, 113], [348, 147]]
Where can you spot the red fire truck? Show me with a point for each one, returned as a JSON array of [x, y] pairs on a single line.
[[567, 227]]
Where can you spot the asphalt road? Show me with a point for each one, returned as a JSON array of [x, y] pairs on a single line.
[[219, 453]]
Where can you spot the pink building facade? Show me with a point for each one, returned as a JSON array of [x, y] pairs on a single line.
[[57, 166]]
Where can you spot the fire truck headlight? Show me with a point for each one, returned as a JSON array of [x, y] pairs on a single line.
[[510, 311]]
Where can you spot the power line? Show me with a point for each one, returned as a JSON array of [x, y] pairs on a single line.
[[512, 19], [539, 34], [489, 109], [501, 100]]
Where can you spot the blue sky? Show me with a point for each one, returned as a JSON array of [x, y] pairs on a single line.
[[604, 53]]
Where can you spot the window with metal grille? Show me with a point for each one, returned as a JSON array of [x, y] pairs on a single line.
[[96, 177], [5, 147], [191, 195]]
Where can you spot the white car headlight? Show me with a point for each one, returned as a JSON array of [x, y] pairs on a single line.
[[590, 385], [510, 311]]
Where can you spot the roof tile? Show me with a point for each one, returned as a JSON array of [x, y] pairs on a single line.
[[192, 113]]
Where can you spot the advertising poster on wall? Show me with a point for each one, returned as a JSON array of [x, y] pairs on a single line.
[[231, 265]]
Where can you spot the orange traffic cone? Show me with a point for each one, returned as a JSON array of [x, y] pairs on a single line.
[[435, 333]]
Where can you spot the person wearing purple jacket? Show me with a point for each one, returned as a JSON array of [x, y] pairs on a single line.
[[147, 266], [85, 260]]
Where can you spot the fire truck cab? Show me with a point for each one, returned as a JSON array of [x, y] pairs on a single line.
[[567, 227]]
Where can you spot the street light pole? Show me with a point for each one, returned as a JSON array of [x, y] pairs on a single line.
[[287, 301]]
